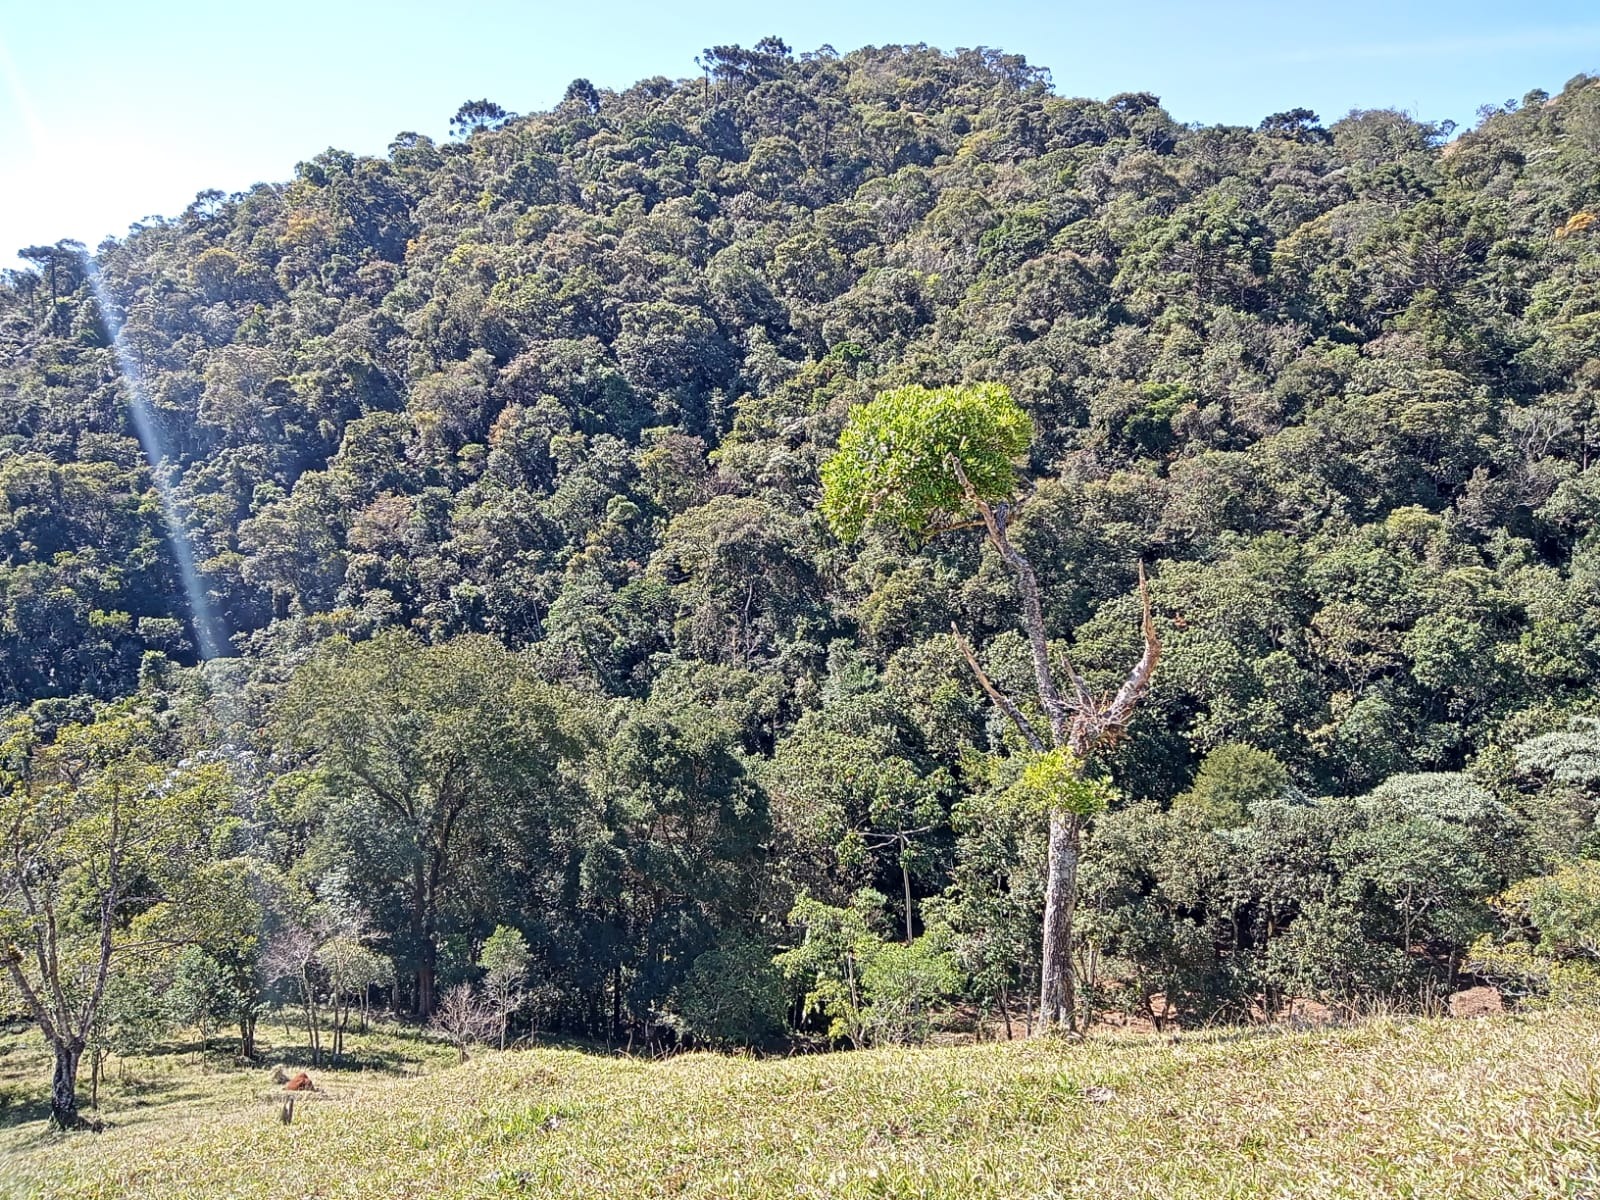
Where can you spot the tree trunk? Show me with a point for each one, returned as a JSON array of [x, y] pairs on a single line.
[[424, 938], [1057, 995], [905, 878], [247, 1037], [425, 978], [616, 1004], [64, 1085]]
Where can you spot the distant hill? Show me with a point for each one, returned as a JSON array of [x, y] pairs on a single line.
[[498, 384]]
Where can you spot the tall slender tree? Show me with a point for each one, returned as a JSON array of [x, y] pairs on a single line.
[[928, 461]]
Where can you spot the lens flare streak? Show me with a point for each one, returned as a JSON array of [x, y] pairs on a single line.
[[210, 637]]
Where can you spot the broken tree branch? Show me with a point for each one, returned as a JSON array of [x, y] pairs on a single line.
[[995, 520], [1001, 701], [1120, 709]]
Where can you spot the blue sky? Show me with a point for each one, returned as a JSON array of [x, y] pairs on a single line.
[[111, 111]]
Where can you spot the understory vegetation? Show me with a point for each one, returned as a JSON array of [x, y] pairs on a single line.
[[715, 564]]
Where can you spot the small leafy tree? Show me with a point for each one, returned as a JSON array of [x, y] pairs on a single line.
[[352, 970], [732, 995], [201, 993], [905, 982], [231, 910], [871, 990], [92, 821], [1231, 781], [132, 1018], [505, 960], [923, 461], [1327, 955], [827, 963], [995, 899]]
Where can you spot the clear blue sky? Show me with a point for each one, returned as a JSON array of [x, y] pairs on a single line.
[[112, 110]]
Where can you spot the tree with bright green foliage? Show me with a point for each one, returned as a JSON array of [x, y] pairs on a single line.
[[201, 993], [869, 989], [1232, 780], [135, 1014], [505, 960], [894, 468], [1550, 952], [914, 460]]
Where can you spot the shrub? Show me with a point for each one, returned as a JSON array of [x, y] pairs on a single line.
[[1550, 952], [731, 996]]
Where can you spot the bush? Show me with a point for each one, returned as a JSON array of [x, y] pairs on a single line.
[[903, 982], [873, 991], [1550, 952], [732, 996], [1327, 956]]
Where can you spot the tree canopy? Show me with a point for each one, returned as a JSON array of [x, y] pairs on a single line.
[[897, 461]]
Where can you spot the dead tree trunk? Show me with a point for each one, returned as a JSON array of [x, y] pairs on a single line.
[[1058, 992]]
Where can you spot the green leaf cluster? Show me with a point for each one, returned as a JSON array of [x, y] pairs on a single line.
[[895, 466], [1058, 781]]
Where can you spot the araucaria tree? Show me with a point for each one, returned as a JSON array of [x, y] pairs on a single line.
[[926, 461]]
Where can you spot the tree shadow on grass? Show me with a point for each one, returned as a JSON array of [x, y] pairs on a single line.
[[18, 1109]]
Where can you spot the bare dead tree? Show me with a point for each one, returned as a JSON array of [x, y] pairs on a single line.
[[464, 1017], [296, 953]]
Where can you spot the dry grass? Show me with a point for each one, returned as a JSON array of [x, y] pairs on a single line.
[[1501, 1107]]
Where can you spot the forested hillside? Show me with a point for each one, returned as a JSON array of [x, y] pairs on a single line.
[[500, 461]]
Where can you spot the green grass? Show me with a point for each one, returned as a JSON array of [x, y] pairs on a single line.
[[1501, 1107]]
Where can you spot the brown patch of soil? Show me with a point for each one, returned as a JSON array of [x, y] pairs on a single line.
[[1476, 1002]]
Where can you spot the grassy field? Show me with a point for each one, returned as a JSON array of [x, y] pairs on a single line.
[[1500, 1107]]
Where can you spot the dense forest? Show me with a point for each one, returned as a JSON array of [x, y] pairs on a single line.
[[414, 576]]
